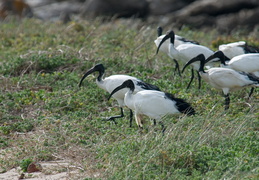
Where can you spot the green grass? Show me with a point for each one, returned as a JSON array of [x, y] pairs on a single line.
[[45, 116]]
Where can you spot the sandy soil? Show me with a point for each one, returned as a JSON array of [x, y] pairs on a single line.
[[53, 170]]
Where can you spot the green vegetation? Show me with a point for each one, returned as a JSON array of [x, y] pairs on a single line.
[[24, 164], [45, 116]]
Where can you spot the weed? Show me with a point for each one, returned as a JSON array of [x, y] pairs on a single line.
[[24, 164]]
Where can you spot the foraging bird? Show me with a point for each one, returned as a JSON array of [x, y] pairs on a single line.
[[245, 62], [248, 63], [111, 82], [231, 50], [226, 79], [154, 104], [185, 52], [164, 47]]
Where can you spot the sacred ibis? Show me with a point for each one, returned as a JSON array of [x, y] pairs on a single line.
[[185, 52], [154, 104], [226, 79], [245, 62], [178, 40], [231, 50], [248, 63], [164, 47], [110, 83]]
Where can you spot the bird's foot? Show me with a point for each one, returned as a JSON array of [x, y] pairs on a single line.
[[110, 119]]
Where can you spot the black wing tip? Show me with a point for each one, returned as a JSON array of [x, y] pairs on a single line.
[[190, 111], [251, 49], [190, 41], [186, 108], [251, 76], [147, 86], [182, 105]]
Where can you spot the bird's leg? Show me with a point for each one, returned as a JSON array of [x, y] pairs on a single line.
[[191, 79], [154, 122], [112, 118], [138, 120], [177, 68], [199, 79], [227, 101], [251, 92], [163, 127], [131, 117]]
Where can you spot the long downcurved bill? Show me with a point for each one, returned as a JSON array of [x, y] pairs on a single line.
[[218, 54], [90, 71], [116, 89], [162, 41], [200, 57]]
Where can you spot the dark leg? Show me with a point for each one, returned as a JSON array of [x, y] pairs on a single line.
[[191, 80], [131, 117], [199, 80], [154, 121], [251, 92], [227, 102], [177, 67], [112, 118], [163, 127]]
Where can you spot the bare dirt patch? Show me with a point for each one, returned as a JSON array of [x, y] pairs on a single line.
[[54, 170]]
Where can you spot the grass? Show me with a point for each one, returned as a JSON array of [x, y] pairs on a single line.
[[45, 116]]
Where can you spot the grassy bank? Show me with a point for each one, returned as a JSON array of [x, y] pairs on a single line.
[[44, 116]]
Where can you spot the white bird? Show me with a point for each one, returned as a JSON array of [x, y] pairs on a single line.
[[110, 83], [164, 47], [154, 104], [185, 52], [248, 63], [231, 50], [178, 41], [244, 62], [226, 79]]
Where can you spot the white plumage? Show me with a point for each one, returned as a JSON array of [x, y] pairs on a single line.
[[154, 104], [178, 41], [164, 46], [231, 50], [226, 79], [110, 83], [185, 52], [245, 62]]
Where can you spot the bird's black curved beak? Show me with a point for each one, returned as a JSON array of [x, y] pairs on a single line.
[[90, 71], [126, 84], [217, 54], [197, 58], [169, 34], [123, 85], [162, 41]]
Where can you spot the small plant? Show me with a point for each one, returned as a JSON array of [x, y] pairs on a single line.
[[24, 164], [3, 142]]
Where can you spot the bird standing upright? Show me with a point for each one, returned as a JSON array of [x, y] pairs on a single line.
[[164, 47]]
